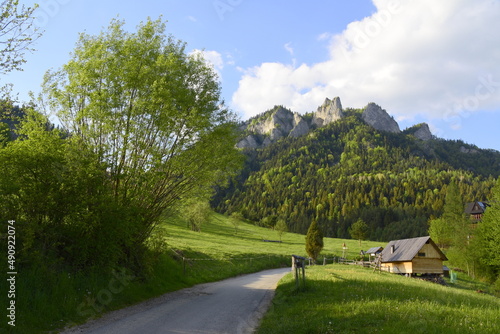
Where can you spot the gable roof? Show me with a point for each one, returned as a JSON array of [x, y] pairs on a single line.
[[475, 207], [406, 249], [374, 250]]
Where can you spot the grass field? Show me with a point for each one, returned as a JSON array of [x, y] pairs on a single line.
[[220, 250], [350, 299], [219, 239], [48, 300]]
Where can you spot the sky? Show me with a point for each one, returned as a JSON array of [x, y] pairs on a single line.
[[421, 60]]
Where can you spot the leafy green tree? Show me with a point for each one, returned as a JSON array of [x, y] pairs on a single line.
[[453, 209], [4, 133], [447, 231], [236, 218], [281, 227], [441, 232], [197, 212], [359, 230], [17, 34], [10, 117], [151, 113], [314, 241], [56, 191], [269, 221], [459, 230], [487, 239]]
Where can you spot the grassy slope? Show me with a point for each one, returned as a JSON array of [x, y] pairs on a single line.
[[47, 300], [218, 239], [349, 299], [220, 251]]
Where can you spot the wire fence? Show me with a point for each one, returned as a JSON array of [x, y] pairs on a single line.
[[190, 262]]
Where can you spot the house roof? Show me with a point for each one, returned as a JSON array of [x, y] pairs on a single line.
[[475, 207], [407, 249], [374, 250]]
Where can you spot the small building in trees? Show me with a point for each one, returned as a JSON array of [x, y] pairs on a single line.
[[374, 252], [475, 210], [413, 256]]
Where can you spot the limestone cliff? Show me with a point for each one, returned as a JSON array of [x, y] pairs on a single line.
[[379, 119], [271, 126], [280, 122], [420, 131], [300, 126], [330, 111]]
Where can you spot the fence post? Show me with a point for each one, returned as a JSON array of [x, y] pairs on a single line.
[[297, 263], [303, 275], [294, 269]]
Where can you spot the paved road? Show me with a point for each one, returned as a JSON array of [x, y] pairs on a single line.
[[233, 306]]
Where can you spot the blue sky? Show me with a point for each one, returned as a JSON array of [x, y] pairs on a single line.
[[421, 60]]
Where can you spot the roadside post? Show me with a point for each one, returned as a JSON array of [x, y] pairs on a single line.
[[298, 262]]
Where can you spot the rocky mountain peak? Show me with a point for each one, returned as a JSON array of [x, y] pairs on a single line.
[[379, 119], [300, 126], [330, 111], [422, 132], [280, 122], [273, 125]]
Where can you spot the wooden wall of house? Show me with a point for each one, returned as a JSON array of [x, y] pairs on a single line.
[[417, 266], [427, 266], [398, 267], [430, 252]]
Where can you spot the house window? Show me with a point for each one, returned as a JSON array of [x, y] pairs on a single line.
[[421, 254]]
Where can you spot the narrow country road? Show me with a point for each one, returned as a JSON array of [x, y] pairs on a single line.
[[233, 306]]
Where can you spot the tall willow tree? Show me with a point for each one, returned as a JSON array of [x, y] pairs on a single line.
[[152, 113]]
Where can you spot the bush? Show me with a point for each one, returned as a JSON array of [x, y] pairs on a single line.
[[56, 191]]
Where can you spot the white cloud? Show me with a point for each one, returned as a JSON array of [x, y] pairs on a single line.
[[324, 36], [212, 58], [434, 58], [288, 48]]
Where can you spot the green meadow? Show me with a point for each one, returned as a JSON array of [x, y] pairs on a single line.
[[220, 239], [351, 299], [48, 299], [337, 298]]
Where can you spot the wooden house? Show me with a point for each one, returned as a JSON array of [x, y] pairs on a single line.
[[412, 256], [475, 210]]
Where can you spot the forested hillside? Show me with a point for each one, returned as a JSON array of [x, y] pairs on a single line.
[[348, 170]]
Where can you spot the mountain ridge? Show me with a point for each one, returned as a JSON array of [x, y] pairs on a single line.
[[348, 170], [280, 122]]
